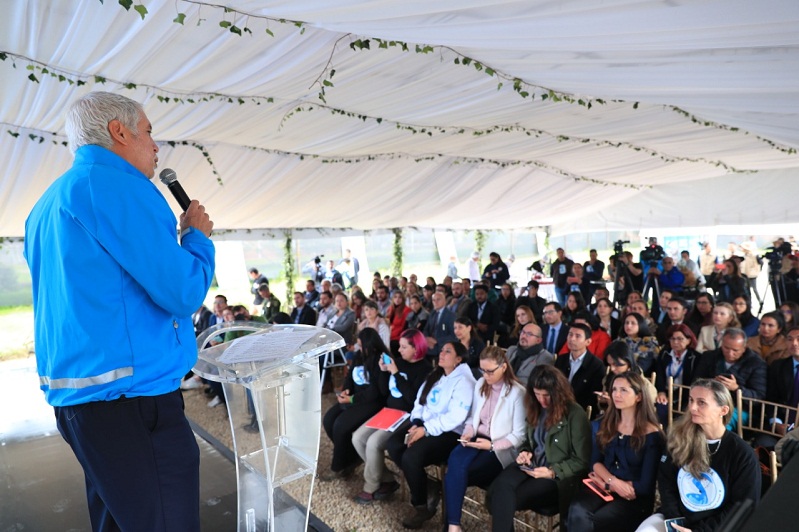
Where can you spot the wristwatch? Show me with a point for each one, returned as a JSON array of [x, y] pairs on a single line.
[[607, 483], [492, 447]]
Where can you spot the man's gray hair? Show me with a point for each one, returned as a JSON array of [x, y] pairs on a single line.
[[734, 333], [89, 116]]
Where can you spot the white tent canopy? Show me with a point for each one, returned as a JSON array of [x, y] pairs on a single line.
[[693, 117]]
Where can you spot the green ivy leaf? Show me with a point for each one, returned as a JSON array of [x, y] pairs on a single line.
[[247, 30], [466, 61], [30, 67], [126, 4], [332, 72], [180, 18], [635, 105], [99, 79], [33, 78], [141, 10], [457, 61], [225, 24], [327, 83], [3, 56], [490, 71], [236, 30]]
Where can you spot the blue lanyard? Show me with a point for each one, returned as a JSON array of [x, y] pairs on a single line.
[[679, 370]]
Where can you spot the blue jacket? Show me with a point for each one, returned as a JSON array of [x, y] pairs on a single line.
[[113, 291]]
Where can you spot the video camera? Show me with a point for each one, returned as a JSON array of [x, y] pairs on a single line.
[[775, 254], [618, 248], [318, 259], [652, 253]]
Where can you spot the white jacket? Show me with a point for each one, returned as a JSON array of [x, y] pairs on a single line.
[[508, 420], [448, 402]]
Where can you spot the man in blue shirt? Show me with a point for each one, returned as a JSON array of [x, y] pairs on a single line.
[[103, 239]]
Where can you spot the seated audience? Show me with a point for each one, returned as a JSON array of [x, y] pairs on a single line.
[[418, 316], [439, 413], [397, 317], [522, 316], [303, 313], [584, 371], [604, 313], [440, 326], [484, 314], [528, 353], [703, 458], [506, 307], [710, 335], [702, 313], [626, 454], [642, 343], [398, 383], [492, 435], [467, 335], [574, 304], [359, 400], [676, 310], [554, 330], [530, 298], [373, 320], [343, 319], [620, 360], [770, 341], [731, 284], [678, 359], [790, 311], [735, 366], [743, 311], [459, 303], [554, 456]]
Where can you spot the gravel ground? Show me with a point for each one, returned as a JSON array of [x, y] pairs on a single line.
[[332, 501]]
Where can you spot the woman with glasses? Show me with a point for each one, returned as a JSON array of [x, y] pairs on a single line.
[[554, 457], [677, 360], [743, 311], [708, 470], [436, 424], [620, 360], [492, 435], [466, 333], [625, 458], [724, 317], [770, 342], [790, 311], [639, 338], [702, 313]]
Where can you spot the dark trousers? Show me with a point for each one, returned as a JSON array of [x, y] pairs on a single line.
[[141, 462], [412, 460], [339, 423], [516, 490], [467, 467], [590, 513]]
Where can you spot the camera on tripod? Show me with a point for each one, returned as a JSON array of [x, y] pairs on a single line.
[[776, 254], [618, 248], [318, 259], [652, 253]]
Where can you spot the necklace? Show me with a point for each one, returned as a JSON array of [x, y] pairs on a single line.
[[714, 451]]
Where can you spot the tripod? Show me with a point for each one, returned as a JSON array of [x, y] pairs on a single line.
[[622, 283], [651, 280], [776, 281]]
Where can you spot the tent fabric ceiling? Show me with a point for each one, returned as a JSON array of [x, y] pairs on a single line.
[[693, 119]]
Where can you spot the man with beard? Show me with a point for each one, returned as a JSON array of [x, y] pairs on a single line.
[[528, 353]]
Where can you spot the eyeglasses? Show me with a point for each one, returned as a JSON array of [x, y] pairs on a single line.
[[678, 339], [618, 363], [549, 311], [527, 333], [490, 372]]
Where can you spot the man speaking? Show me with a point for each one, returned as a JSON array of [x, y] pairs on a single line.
[[114, 289]]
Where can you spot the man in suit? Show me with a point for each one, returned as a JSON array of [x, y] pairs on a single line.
[[302, 314], [440, 327], [676, 309], [484, 313], [533, 300], [460, 302], [554, 330], [783, 379], [584, 371]]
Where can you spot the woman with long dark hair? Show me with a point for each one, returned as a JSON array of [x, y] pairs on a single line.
[[418, 316], [743, 311], [574, 304], [359, 400], [494, 431], [702, 313], [506, 307], [604, 314], [708, 470], [620, 360], [639, 338], [398, 383], [625, 459], [466, 333], [677, 360], [770, 342], [439, 413], [731, 283], [397, 315], [553, 458]]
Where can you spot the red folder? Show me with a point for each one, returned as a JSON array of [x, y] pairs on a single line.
[[388, 419]]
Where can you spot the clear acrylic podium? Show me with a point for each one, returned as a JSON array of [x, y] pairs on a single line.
[[275, 410]]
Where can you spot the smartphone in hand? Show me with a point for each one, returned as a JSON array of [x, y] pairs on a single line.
[[524, 467], [679, 521], [385, 359]]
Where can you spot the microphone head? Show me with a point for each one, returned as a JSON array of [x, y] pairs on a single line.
[[168, 176]]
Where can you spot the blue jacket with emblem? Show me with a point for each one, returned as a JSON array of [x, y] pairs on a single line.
[[113, 290]]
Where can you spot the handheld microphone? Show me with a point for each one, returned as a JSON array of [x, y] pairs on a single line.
[[170, 179]]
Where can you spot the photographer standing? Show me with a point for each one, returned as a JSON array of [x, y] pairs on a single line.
[[560, 271], [103, 240]]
